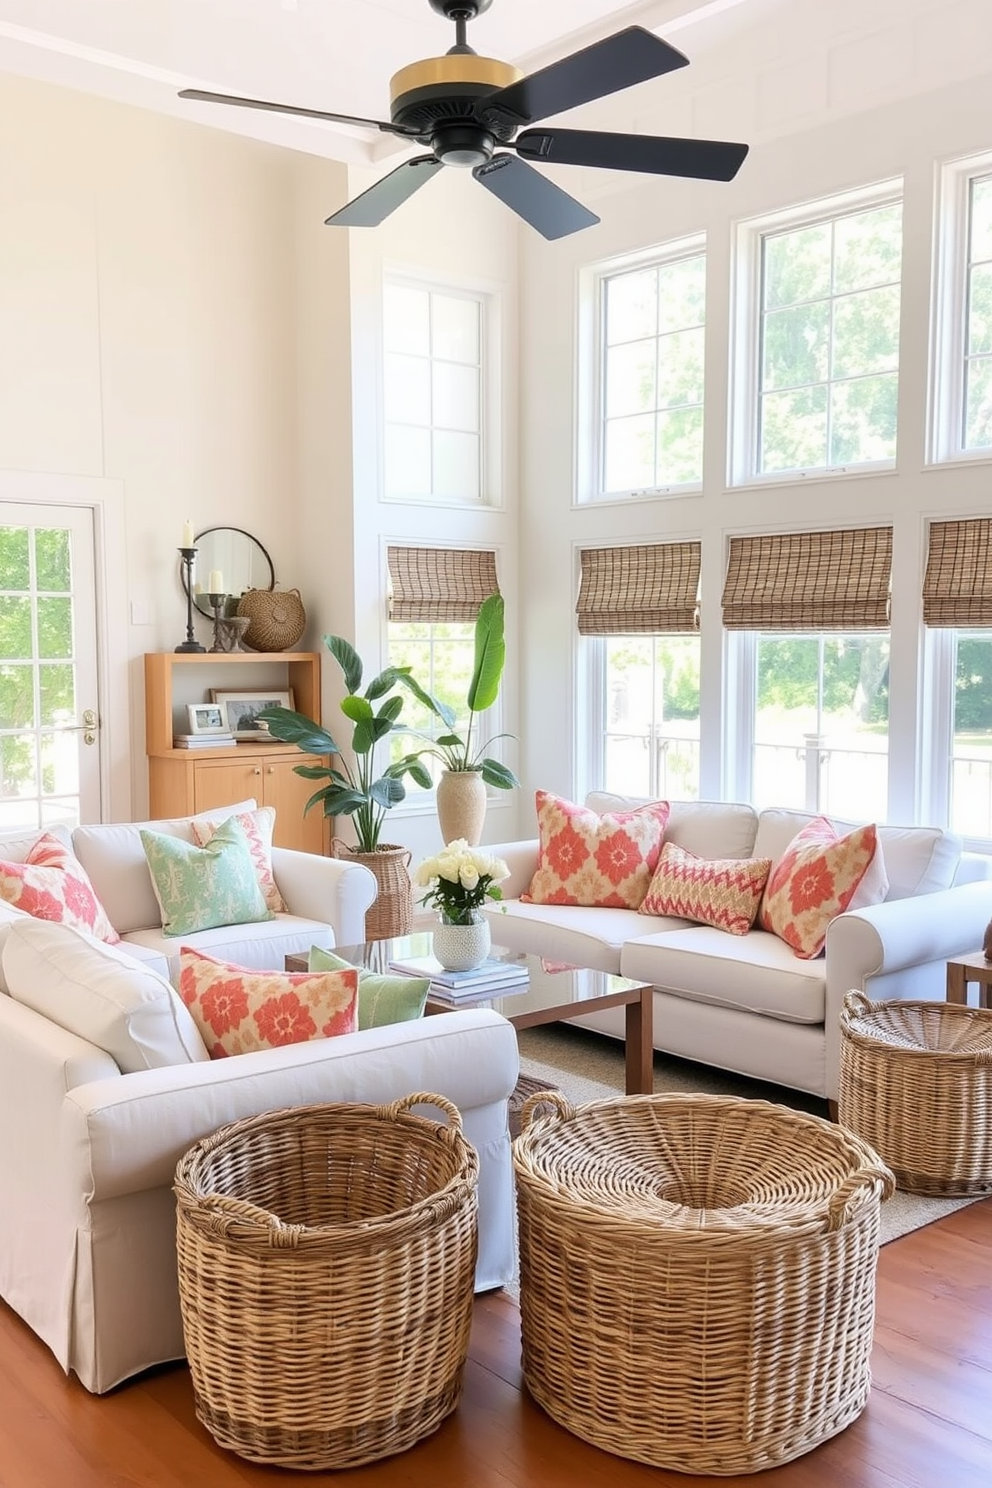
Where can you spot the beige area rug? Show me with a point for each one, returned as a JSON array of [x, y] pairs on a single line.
[[587, 1066]]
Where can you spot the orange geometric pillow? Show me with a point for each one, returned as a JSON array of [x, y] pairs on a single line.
[[258, 827], [52, 884], [603, 861], [819, 876], [723, 892], [237, 1009]]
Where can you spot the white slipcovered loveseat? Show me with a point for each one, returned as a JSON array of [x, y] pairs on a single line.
[[88, 1153], [747, 1003]]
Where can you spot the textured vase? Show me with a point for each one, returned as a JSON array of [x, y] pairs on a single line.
[[462, 947], [461, 805]]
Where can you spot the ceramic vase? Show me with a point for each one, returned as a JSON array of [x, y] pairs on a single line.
[[462, 947], [461, 805]]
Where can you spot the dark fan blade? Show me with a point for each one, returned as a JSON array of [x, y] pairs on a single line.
[[620, 61], [375, 205], [533, 197], [290, 108], [707, 160]]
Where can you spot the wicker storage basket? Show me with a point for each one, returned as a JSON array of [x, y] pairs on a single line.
[[916, 1082], [277, 618], [697, 1276], [326, 1272], [391, 912]]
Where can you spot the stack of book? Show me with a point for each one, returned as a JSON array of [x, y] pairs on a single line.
[[203, 741], [493, 978]]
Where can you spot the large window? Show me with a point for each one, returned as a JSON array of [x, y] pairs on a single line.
[[818, 379], [433, 393], [962, 412]]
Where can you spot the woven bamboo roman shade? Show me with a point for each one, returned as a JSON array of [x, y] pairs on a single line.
[[957, 589], [434, 584], [639, 590], [834, 581]]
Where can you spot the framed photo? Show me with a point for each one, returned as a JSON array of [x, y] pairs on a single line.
[[206, 718], [241, 709]]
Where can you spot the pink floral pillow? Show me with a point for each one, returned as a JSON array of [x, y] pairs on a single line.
[[819, 876], [238, 1010], [604, 861], [257, 827], [52, 884]]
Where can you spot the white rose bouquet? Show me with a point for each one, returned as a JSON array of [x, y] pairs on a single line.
[[459, 880]]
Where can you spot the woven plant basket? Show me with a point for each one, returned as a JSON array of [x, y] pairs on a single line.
[[916, 1082], [276, 617], [391, 912], [326, 1273], [697, 1276]]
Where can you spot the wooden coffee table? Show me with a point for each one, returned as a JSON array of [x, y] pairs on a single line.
[[551, 993]]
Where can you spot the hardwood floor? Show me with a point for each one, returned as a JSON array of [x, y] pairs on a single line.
[[928, 1422]]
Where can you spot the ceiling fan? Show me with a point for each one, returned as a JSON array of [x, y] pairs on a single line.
[[468, 109]]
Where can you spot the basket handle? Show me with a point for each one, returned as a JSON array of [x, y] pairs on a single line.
[[227, 1217], [560, 1106], [838, 1210], [855, 1004], [424, 1098]]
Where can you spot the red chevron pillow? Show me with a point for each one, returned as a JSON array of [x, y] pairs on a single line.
[[723, 892]]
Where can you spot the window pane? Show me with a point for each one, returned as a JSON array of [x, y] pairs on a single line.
[[15, 627], [456, 465], [680, 446], [18, 774], [55, 627], [52, 560], [630, 378], [980, 309], [681, 294], [14, 571], [59, 765], [795, 346], [407, 461], [631, 306], [981, 219], [866, 333], [652, 716], [442, 657], [680, 369], [793, 430], [456, 397], [406, 389], [971, 755], [630, 453], [16, 697], [863, 420], [796, 266], [406, 319], [868, 248], [455, 328], [978, 404], [57, 693]]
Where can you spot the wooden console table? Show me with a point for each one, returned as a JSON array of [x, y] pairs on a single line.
[[965, 969]]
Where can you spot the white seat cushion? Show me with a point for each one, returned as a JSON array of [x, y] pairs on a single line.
[[757, 972], [571, 933], [261, 946]]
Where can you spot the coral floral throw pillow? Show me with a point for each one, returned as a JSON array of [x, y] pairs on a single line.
[[819, 876], [604, 861], [52, 884], [238, 1010]]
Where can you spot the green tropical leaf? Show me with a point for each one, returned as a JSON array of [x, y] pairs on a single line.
[[490, 655], [356, 708], [315, 772], [391, 708], [347, 659], [429, 701], [387, 792], [500, 776], [296, 728], [385, 682]]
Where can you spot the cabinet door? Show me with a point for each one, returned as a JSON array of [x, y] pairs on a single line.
[[222, 782], [289, 793]]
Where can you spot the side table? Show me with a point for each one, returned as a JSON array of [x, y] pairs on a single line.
[[965, 969]]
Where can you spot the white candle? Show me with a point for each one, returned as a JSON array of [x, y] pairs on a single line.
[[187, 541], [216, 582]]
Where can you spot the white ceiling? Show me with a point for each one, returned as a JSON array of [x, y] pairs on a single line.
[[336, 55]]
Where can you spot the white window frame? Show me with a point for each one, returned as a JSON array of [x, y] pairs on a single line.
[[590, 381], [945, 431], [746, 331], [937, 742], [489, 299]]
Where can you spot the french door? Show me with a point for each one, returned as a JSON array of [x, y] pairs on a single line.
[[49, 709]]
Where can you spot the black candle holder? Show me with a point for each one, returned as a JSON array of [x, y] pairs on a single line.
[[217, 603], [190, 643]]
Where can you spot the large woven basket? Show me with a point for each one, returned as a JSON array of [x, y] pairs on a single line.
[[916, 1082], [326, 1272], [697, 1276], [276, 618], [391, 913]]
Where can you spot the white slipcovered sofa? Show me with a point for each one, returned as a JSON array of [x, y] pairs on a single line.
[[88, 1153], [748, 1003]]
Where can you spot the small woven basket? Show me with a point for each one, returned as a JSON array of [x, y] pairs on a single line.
[[391, 912], [326, 1272], [276, 618], [697, 1276], [916, 1082]]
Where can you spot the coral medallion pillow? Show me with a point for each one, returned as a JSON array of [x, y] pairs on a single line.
[[238, 1010], [819, 876], [603, 861], [52, 884]]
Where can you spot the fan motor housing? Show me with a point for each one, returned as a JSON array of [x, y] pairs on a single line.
[[441, 91]]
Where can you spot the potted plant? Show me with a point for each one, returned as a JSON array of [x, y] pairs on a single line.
[[468, 769]]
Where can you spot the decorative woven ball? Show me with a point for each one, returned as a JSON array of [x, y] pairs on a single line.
[[277, 618]]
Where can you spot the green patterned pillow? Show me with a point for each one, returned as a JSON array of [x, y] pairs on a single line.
[[381, 999], [200, 887]]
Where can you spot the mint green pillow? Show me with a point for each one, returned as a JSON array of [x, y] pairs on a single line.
[[381, 999], [200, 887]]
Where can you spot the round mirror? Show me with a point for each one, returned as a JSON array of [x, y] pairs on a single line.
[[232, 557]]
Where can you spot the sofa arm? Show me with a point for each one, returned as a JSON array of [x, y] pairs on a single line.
[[521, 859], [899, 949], [328, 889]]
